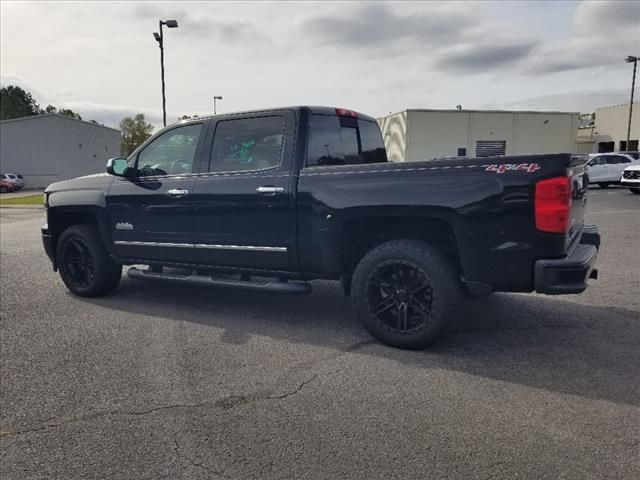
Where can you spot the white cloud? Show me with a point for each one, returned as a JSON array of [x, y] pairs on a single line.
[[101, 57]]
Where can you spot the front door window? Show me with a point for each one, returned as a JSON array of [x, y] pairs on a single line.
[[172, 153]]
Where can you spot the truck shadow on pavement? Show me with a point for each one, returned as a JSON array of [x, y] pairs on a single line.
[[542, 342]]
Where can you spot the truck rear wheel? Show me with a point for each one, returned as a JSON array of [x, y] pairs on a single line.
[[84, 264], [406, 293]]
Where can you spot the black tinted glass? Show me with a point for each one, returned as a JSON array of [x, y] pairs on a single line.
[[343, 141], [247, 144], [372, 147]]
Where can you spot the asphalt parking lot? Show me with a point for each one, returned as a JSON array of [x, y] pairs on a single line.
[[158, 381]]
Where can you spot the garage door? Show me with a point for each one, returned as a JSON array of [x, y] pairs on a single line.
[[490, 148]]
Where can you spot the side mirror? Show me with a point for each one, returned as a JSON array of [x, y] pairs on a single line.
[[117, 166]]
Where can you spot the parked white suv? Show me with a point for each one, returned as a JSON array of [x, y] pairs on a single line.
[[14, 178], [606, 168], [631, 178]]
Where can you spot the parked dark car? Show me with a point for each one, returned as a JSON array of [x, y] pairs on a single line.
[[6, 186], [268, 200]]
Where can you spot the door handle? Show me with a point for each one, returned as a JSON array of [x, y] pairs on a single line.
[[269, 190], [177, 192]]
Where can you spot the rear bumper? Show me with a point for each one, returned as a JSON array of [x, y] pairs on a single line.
[[570, 274], [47, 242]]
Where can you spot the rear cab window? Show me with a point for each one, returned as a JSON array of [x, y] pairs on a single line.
[[343, 140]]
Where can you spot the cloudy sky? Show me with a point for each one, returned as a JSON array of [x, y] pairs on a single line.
[[100, 59]]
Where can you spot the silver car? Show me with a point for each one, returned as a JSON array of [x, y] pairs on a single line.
[[14, 178]]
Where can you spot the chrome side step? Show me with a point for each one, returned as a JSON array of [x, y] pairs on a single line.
[[272, 286]]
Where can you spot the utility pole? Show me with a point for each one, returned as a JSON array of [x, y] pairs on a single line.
[[160, 39], [217, 97], [634, 60]]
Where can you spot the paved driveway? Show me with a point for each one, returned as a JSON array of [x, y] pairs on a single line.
[[158, 381]]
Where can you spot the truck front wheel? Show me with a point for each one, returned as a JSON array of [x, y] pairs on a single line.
[[406, 293], [84, 264]]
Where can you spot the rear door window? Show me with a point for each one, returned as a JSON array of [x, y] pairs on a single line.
[[247, 144], [335, 140]]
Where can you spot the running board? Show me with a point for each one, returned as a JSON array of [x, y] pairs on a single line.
[[291, 288]]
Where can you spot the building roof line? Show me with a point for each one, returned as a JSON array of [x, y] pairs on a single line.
[[618, 105], [464, 110], [40, 116]]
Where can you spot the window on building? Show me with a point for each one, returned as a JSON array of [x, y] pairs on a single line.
[[605, 147], [633, 146], [344, 141], [247, 144], [462, 152], [491, 148]]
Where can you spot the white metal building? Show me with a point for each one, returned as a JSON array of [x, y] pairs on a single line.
[[49, 148], [609, 131], [427, 134]]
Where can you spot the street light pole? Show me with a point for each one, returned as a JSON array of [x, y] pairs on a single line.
[[160, 39], [634, 60], [217, 97]]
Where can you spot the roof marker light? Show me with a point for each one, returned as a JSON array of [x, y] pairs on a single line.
[[343, 112]]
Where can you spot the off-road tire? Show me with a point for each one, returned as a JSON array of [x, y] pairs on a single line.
[[446, 293], [104, 275]]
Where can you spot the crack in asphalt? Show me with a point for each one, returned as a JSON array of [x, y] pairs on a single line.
[[224, 403]]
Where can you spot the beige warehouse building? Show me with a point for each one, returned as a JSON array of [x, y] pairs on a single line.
[[608, 132], [414, 135]]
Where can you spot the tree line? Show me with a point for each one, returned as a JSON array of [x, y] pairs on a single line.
[[16, 102]]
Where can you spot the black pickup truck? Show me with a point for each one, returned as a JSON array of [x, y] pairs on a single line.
[[268, 200]]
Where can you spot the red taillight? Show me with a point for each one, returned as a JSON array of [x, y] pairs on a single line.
[[553, 205], [343, 112]]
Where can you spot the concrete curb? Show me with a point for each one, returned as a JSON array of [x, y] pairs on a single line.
[[25, 207], [23, 193]]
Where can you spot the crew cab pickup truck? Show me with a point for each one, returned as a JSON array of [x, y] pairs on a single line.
[[269, 200]]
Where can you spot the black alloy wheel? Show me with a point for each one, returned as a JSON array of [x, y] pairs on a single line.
[[400, 295], [79, 263], [407, 293], [84, 263]]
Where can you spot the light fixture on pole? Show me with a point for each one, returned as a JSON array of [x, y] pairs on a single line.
[[160, 39], [215, 98], [634, 60]]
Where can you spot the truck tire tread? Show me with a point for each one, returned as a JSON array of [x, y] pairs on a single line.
[[107, 272], [448, 290]]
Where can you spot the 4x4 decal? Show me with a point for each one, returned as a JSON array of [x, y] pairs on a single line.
[[507, 167]]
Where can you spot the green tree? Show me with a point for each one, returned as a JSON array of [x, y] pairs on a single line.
[[134, 132], [69, 113], [16, 102]]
